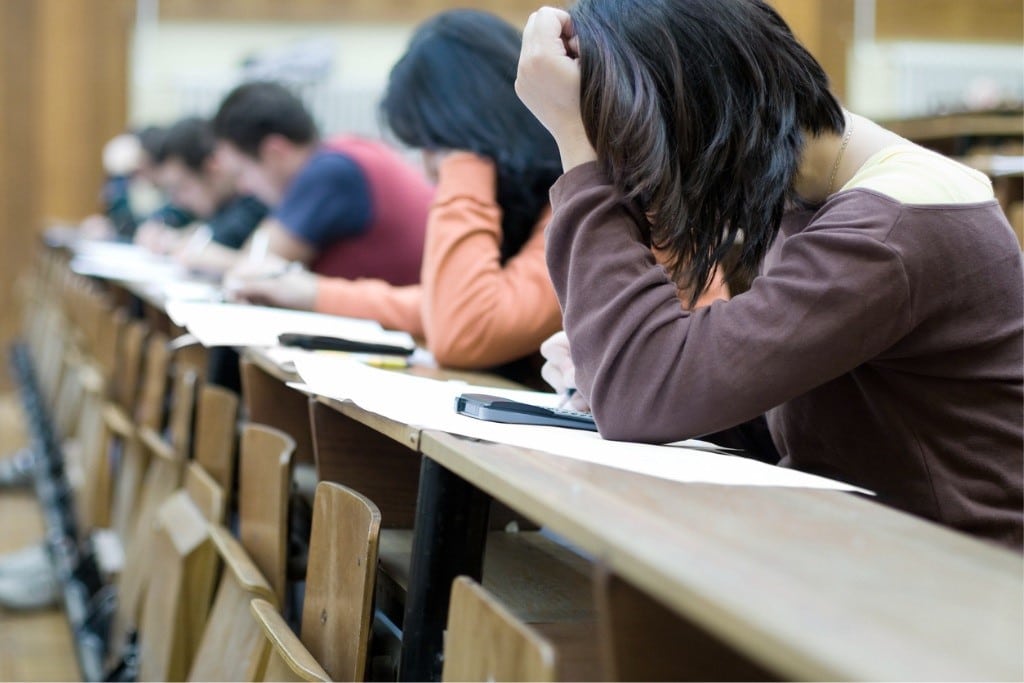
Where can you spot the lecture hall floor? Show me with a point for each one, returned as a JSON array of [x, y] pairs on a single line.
[[34, 646]]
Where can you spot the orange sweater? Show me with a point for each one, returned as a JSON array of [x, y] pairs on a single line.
[[473, 311]]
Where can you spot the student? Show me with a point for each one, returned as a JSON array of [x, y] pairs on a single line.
[[197, 180], [485, 298], [884, 332], [131, 195], [347, 207]]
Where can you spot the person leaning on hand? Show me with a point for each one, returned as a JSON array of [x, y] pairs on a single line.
[[884, 332]]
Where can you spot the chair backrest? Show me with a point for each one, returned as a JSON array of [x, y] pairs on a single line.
[[163, 477], [180, 421], [88, 460], [131, 343], [232, 647], [115, 425], [149, 410], [183, 572], [215, 433], [264, 485], [486, 642], [287, 659], [135, 457], [340, 575]]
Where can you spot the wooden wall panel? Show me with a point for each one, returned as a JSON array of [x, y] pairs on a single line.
[[404, 11], [17, 200], [81, 67], [952, 20], [825, 27], [63, 92]]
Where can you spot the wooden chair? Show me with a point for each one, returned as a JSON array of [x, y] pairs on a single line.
[[287, 659], [264, 484], [181, 585], [149, 417], [232, 647], [486, 642], [116, 398], [216, 430], [163, 474], [337, 610], [539, 582]]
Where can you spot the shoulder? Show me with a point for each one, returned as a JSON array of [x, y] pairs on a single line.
[[911, 174], [329, 166]]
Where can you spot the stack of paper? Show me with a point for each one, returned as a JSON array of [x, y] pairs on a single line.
[[430, 404], [218, 324]]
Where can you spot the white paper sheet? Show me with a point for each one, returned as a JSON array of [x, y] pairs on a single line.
[[430, 404], [114, 252], [128, 270], [217, 324]]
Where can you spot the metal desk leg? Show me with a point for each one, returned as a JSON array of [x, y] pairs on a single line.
[[451, 528]]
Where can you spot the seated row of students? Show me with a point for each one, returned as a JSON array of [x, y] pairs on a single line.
[[883, 332]]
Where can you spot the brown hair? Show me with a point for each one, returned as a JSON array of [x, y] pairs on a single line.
[[697, 110]]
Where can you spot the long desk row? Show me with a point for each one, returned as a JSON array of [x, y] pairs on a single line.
[[691, 580]]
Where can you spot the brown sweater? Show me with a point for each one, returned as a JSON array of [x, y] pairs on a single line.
[[883, 340]]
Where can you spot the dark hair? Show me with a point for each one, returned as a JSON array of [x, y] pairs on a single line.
[[252, 111], [151, 139], [697, 110], [190, 141], [455, 89]]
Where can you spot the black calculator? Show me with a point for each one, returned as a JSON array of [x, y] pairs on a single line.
[[498, 409]]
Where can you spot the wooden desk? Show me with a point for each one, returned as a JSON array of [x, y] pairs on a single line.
[[806, 584], [809, 584]]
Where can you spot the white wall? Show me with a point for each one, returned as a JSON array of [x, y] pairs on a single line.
[[180, 67]]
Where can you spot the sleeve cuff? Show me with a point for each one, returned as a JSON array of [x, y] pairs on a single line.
[[576, 179]]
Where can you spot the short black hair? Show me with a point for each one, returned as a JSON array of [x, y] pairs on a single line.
[[190, 141], [455, 89], [698, 111], [255, 110], [152, 139]]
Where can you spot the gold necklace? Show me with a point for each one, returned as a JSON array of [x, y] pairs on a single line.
[[839, 157]]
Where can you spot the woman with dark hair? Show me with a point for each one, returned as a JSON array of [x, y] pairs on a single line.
[[883, 332], [485, 298]]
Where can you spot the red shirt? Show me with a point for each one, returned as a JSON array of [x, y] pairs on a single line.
[[391, 249]]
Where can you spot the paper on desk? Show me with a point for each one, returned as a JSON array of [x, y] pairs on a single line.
[[128, 270], [217, 324], [114, 252], [430, 404]]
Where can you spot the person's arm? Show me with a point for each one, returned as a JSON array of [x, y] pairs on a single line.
[[396, 308], [651, 371], [235, 222], [477, 312]]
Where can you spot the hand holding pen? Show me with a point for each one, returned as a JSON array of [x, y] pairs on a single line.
[[281, 283], [560, 373]]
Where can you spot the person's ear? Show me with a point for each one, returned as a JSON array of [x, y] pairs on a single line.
[[273, 148], [211, 166]]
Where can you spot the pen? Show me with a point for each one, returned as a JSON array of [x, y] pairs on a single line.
[[259, 246], [199, 239], [292, 267], [567, 396]]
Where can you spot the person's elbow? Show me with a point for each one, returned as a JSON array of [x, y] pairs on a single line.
[[626, 412], [456, 347]]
